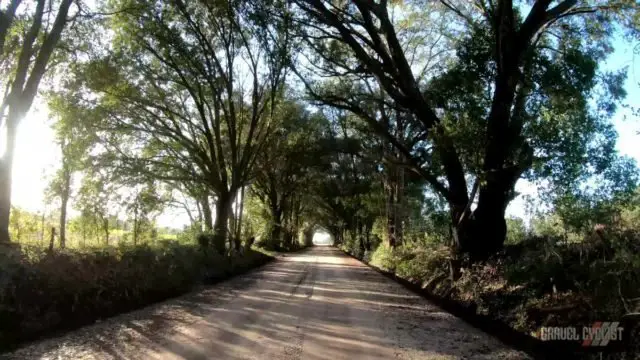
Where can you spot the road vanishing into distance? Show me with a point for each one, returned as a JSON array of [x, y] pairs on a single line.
[[315, 304]]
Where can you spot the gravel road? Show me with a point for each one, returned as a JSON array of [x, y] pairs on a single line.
[[316, 304]]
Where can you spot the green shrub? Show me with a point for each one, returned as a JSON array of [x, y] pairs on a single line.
[[421, 263], [516, 230], [41, 291], [189, 234], [384, 258]]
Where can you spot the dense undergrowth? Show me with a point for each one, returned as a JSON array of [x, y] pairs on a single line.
[[540, 281], [43, 291]]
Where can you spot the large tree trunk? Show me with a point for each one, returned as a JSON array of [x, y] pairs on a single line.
[[238, 223], [288, 231], [399, 186], [482, 232], [63, 209], [240, 211], [220, 227], [389, 185], [308, 235], [367, 237], [6, 166], [200, 218], [276, 226], [489, 216], [297, 223], [361, 238], [206, 214], [399, 204], [394, 190], [462, 233], [490, 228], [391, 219], [105, 228], [64, 201], [136, 226], [52, 239]]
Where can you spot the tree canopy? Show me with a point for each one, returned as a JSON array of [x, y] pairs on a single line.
[[354, 116]]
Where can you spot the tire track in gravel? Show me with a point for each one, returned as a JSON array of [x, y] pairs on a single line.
[[300, 295]]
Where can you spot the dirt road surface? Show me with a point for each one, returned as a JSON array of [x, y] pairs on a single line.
[[316, 304]]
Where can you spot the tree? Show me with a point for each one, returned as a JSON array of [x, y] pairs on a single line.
[[345, 193], [285, 167], [600, 202], [73, 143], [478, 113], [34, 43], [24, 224], [97, 198], [200, 196], [180, 106], [144, 204]]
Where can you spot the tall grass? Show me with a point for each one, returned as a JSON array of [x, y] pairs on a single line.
[[42, 291]]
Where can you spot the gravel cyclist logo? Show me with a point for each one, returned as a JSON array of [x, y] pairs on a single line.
[[599, 334]]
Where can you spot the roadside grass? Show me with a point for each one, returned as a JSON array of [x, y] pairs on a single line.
[[540, 281], [42, 292]]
